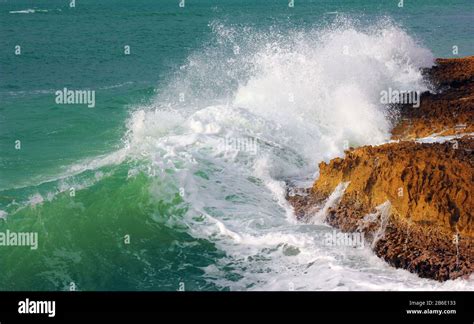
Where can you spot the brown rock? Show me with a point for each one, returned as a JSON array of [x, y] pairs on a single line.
[[449, 111], [412, 201]]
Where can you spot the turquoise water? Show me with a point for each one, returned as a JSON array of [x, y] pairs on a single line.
[[146, 161]]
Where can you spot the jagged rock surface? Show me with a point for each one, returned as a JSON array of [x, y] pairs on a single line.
[[413, 201]]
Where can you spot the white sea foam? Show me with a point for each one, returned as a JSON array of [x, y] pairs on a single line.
[[333, 200], [26, 11], [441, 139], [35, 200], [31, 11], [302, 95]]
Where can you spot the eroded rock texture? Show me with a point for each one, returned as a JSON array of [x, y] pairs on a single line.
[[413, 201]]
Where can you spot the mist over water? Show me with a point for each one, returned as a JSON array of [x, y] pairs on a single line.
[[199, 176]]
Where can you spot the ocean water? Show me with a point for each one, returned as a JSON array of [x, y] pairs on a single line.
[[176, 179]]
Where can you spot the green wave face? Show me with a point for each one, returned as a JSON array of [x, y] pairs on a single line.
[[110, 236]]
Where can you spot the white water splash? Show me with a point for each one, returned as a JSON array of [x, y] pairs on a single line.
[[381, 216], [302, 97], [319, 216]]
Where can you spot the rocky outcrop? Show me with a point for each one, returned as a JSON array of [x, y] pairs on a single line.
[[413, 201], [447, 112]]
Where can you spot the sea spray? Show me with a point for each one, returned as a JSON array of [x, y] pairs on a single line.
[[303, 96]]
